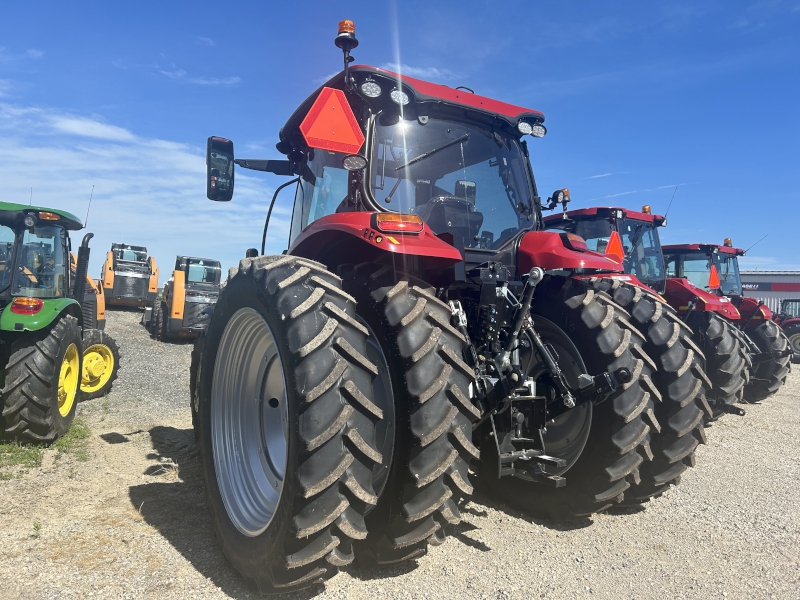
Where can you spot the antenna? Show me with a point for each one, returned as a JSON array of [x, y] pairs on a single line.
[[86, 220], [30, 202], [670, 201], [751, 247]]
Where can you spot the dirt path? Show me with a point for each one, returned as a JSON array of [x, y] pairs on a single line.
[[130, 521]]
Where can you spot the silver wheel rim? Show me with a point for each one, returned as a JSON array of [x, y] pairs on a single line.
[[794, 340], [249, 422]]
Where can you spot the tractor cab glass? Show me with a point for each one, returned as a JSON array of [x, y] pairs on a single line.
[[323, 188], [131, 254], [7, 239], [791, 308], [202, 271], [42, 263], [640, 242], [461, 179], [730, 283]]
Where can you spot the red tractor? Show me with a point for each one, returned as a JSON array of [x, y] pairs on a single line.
[[789, 320], [717, 268], [692, 288], [420, 328]]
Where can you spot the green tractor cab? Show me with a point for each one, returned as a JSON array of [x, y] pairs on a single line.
[[42, 333]]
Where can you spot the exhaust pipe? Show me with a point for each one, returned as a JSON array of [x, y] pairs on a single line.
[[79, 289]]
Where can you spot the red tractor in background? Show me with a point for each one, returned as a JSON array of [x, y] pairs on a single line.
[[421, 328], [717, 267], [789, 320]]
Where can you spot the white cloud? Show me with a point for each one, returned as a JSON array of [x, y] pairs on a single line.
[[204, 41], [34, 53], [147, 191], [422, 72], [180, 75], [5, 86]]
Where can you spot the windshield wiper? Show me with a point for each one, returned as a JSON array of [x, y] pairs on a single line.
[[634, 241], [432, 152]]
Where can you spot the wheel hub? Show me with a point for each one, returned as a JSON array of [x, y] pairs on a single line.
[[249, 422], [98, 364], [68, 380]]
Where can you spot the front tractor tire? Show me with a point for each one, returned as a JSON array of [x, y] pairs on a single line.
[[159, 323], [285, 423], [100, 365], [433, 414], [727, 360], [604, 444], [42, 379], [681, 383], [769, 375]]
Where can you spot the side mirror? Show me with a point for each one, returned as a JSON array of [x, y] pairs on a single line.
[[219, 169]]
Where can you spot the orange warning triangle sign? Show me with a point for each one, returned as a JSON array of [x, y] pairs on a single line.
[[713, 278], [614, 247], [331, 125]]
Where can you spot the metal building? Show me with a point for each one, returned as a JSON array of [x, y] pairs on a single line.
[[771, 286]]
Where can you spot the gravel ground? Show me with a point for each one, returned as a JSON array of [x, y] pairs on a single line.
[[130, 522]]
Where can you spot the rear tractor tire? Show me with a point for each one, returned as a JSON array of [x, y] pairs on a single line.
[[433, 414], [285, 423], [727, 359], [604, 444], [677, 427], [42, 379], [769, 375], [101, 358]]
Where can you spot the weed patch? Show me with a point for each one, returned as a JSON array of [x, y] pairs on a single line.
[[16, 459], [76, 441]]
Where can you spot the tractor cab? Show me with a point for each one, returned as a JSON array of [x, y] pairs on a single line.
[[628, 236], [712, 267], [34, 252]]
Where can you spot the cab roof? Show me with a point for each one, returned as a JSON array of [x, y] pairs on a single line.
[[676, 248], [425, 98], [13, 215], [604, 212]]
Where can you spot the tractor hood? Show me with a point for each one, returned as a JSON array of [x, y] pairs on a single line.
[[13, 215], [551, 250], [680, 293]]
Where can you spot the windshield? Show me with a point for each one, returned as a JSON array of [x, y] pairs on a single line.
[[791, 308], [696, 268], [7, 238], [202, 271], [640, 242], [730, 283], [131, 255], [42, 264], [461, 179]]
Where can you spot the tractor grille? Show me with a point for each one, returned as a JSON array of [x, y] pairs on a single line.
[[193, 316], [89, 310], [134, 288]]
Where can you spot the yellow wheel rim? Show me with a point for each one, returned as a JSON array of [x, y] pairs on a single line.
[[68, 380], [98, 365]]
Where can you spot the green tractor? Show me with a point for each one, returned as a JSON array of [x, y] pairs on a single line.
[[42, 334]]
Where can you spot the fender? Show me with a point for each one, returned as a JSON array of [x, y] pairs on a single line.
[[546, 249], [176, 301], [753, 312], [323, 235], [52, 310], [108, 271], [680, 293]]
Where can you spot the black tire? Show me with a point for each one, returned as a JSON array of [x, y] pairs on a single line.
[[677, 427], [727, 359], [31, 393], [433, 414], [618, 441], [769, 375], [94, 384], [328, 415], [793, 333], [159, 330]]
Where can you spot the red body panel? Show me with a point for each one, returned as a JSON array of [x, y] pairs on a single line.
[[434, 252], [425, 90], [679, 293], [603, 211], [750, 307], [674, 248], [790, 321], [546, 250]]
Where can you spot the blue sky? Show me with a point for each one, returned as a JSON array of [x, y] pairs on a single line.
[[639, 97]]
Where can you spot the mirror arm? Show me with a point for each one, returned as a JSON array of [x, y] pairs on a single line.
[[278, 167]]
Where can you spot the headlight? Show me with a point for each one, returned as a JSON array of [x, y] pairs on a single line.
[[538, 130], [524, 128], [371, 89], [30, 221], [399, 96]]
